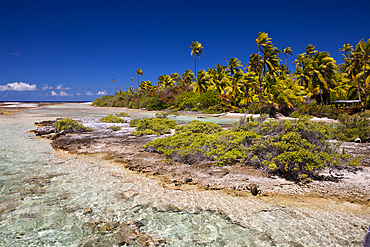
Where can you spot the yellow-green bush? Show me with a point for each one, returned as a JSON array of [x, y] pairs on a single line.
[[296, 150], [112, 119], [156, 126], [70, 126]]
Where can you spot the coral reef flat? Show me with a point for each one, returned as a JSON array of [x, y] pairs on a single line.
[[127, 151]]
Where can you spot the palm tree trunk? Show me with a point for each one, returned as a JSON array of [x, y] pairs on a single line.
[[322, 101], [364, 107], [259, 66], [327, 84], [195, 67], [359, 89]]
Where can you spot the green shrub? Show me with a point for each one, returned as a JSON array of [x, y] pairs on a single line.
[[112, 119], [158, 126], [122, 114], [351, 128], [114, 128], [296, 150], [313, 109], [187, 100], [70, 126]]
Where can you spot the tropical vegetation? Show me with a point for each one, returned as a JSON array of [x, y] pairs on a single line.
[[70, 126], [263, 85], [296, 150]]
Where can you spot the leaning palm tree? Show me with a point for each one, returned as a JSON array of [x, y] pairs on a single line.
[[347, 49], [200, 85], [287, 51], [233, 65], [139, 72], [196, 50]]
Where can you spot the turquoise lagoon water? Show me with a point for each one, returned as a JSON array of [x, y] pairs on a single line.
[[43, 195]]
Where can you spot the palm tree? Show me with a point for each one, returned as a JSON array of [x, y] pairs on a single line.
[[175, 77], [139, 72], [311, 50], [262, 41], [351, 66], [200, 85], [363, 50], [187, 77], [219, 78], [233, 65], [146, 86], [113, 85], [254, 63], [347, 49], [196, 50], [287, 51], [164, 81]]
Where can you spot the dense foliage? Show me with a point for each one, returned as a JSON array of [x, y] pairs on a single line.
[[263, 85], [295, 150], [70, 126], [352, 127]]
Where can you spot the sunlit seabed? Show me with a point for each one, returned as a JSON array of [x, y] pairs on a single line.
[[50, 212]]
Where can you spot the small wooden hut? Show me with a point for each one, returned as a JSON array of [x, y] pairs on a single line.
[[347, 106]]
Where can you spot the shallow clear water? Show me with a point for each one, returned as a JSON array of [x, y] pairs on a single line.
[[43, 195]]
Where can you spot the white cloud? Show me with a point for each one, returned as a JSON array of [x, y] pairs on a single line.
[[62, 93], [59, 87], [78, 94], [15, 54], [101, 93], [46, 87], [89, 93], [18, 86]]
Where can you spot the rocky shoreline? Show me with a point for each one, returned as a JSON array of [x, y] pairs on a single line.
[[346, 184]]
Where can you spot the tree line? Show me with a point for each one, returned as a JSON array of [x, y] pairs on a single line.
[[265, 81]]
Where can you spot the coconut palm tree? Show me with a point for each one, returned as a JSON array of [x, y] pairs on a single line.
[[113, 85], [175, 77], [187, 77], [287, 51], [363, 51], [201, 82], [146, 86], [139, 72], [347, 49], [262, 41], [352, 65], [219, 78], [233, 65], [164, 81], [327, 67], [254, 63], [196, 50]]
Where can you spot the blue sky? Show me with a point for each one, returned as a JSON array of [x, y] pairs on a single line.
[[71, 50]]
